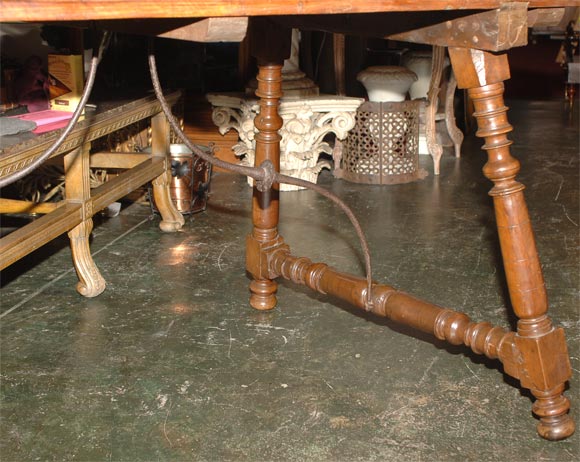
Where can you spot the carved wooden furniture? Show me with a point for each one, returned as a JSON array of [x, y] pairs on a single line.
[[433, 114], [74, 214], [436, 64], [536, 353]]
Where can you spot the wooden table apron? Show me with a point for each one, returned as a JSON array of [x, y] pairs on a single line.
[[536, 353]]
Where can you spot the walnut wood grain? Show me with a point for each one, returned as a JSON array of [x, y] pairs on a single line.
[[338, 45], [495, 30], [536, 354], [448, 325], [265, 213], [545, 365], [63, 10]]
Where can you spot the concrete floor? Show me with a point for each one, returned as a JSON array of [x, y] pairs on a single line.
[[170, 363]]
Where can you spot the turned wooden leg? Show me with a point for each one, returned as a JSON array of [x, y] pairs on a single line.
[[270, 44], [455, 134], [339, 42], [544, 360], [78, 189], [435, 149], [265, 204], [171, 219]]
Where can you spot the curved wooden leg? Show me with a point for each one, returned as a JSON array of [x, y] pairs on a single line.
[[78, 190], [454, 132], [543, 357], [435, 149], [171, 219], [91, 283]]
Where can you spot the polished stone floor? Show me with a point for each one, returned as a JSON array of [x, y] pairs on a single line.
[[171, 364]]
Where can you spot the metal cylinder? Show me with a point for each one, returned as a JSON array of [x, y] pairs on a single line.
[[189, 188]]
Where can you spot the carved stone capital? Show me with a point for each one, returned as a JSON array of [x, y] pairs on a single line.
[[306, 122]]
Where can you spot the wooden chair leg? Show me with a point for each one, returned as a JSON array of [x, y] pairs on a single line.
[[171, 219], [91, 283], [455, 134], [435, 148], [78, 189], [544, 360]]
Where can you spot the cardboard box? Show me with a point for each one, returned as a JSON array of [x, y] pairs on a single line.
[[66, 76]]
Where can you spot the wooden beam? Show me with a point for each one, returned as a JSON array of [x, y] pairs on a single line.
[[269, 42], [34, 235], [212, 30], [467, 28], [126, 182], [483, 68], [191, 29], [16, 206], [495, 30], [67, 10], [549, 17], [117, 159]]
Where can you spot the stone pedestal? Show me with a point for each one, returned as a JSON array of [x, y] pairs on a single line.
[[305, 124], [386, 83], [421, 63]]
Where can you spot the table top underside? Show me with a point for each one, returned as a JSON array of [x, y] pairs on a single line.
[[73, 10]]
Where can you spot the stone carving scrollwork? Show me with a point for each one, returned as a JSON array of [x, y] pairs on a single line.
[[306, 123]]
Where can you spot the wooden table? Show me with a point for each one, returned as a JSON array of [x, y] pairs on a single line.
[[536, 353], [74, 214]]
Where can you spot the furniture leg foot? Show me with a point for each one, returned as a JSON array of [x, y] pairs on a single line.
[[91, 283], [552, 409], [436, 156], [263, 294], [77, 190], [454, 133], [435, 149], [265, 212], [171, 219], [265, 204], [545, 369], [543, 361]]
